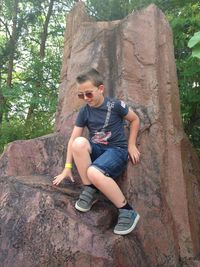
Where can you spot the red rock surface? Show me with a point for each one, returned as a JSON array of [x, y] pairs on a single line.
[[39, 225]]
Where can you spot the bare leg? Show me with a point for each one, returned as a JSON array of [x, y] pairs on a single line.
[[107, 186], [81, 153], [90, 175]]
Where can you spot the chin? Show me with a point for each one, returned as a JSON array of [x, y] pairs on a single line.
[[91, 103]]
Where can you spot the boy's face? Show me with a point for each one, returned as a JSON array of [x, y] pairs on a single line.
[[91, 94]]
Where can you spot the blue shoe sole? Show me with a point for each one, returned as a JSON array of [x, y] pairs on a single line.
[[84, 209], [125, 232]]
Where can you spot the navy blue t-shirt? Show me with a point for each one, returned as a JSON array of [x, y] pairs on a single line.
[[105, 123]]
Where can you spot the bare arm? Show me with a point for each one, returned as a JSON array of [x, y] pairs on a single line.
[[77, 131], [134, 154]]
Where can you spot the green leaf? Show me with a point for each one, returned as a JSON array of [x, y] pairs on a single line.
[[194, 40], [196, 51]]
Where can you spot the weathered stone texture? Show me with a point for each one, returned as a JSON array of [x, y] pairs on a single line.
[[39, 225]]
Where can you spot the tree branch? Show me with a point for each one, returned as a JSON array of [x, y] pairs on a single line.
[[5, 24]]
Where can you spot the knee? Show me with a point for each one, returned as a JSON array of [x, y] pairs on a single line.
[[93, 175], [80, 144]]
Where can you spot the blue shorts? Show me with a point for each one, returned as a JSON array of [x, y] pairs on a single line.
[[111, 161]]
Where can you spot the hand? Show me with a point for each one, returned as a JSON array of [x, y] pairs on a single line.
[[65, 173], [134, 154]]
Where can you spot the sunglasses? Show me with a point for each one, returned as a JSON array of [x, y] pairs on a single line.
[[88, 94]]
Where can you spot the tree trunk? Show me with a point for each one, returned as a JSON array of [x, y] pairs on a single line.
[[2, 103], [12, 49], [42, 55], [13, 41], [45, 30]]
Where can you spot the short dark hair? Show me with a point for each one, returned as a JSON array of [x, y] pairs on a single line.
[[91, 75]]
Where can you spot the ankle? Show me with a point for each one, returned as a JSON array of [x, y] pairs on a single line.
[[92, 186], [126, 207]]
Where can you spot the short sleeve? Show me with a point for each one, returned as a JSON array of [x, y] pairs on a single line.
[[121, 107], [81, 119]]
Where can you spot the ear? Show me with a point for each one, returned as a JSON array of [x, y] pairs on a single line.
[[101, 88]]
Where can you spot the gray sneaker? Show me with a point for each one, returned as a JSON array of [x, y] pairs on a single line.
[[86, 199], [127, 221]]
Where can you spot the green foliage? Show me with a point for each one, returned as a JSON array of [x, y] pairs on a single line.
[[29, 104], [185, 23], [16, 129], [194, 43], [114, 9], [194, 40]]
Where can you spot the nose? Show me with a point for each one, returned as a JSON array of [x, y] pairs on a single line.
[[85, 97]]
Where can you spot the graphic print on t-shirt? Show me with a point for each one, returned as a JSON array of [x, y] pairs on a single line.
[[101, 137]]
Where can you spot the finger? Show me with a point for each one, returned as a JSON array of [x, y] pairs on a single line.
[[56, 181], [129, 158], [136, 159], [132, 159], [139, 154], [72, 179]]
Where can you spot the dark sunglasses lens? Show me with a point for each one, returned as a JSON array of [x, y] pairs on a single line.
[[89, 95], [81, 96]]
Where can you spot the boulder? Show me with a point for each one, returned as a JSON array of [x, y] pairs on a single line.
[[38, 223]]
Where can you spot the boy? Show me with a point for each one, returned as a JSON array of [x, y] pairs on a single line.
[[105, 155]]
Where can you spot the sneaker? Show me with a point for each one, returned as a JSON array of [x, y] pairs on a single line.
[[86, 199], [127, 221]]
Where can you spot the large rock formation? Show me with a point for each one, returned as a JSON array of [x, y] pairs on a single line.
[[39, 225]]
